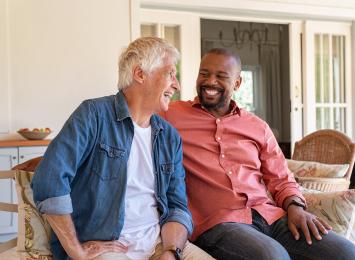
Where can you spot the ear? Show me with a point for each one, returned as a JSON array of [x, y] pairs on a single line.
[[138, 74], [237, 83]]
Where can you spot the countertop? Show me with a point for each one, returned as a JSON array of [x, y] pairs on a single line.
[[22, 142]]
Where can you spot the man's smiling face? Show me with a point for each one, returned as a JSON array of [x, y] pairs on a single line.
[[163, 84], [218, 78]]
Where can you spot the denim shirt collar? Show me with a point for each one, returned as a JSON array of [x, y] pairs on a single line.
[[122, 112], [121, 107]]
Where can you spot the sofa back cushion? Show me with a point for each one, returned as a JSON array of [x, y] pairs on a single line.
[[337, 208], [33, 230], [316, 169]]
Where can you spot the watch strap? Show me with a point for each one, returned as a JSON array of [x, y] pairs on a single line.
[[297, 203], [176, 251]]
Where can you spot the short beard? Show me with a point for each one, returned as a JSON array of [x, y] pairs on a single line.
[[221, 102]]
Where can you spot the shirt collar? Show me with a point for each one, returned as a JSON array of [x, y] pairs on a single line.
[[122, 112], [121, 107], [234, 107]]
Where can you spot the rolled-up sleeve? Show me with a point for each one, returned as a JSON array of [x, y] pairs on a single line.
[[51, 183], [276, 175], [56, 205]]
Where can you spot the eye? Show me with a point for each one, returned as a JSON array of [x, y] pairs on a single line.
[[172, 74], [203, 74], [222, 76]]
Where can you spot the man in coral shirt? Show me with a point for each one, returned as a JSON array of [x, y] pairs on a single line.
[[244, 201]]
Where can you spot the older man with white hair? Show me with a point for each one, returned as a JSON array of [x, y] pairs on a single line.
[[111, 184]]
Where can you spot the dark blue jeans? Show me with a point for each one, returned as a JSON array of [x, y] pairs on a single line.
[[232, 241]]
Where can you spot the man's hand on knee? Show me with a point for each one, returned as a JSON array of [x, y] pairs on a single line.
[[299, 219]]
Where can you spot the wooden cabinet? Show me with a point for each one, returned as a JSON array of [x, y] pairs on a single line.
[[11, 154]]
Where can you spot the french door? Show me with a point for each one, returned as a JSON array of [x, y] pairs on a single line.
[[327, 76], [183, 31]]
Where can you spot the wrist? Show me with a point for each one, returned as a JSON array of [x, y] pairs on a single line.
[[175, 251], [167, 255], [77, 253], [287, 202], [296, 203]]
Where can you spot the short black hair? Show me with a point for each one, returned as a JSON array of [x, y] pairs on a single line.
[[226, 52]]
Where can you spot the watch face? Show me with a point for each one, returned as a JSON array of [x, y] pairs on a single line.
[[178, 253]]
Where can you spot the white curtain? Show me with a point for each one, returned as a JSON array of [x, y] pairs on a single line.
[[271, 83]]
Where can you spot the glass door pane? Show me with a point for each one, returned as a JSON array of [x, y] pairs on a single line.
[[339, 119], [149, 30], [329, 78], [338, 69], [172, 34], [244, 96]]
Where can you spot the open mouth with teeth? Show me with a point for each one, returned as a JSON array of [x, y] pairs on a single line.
[[168, 95], [212, 91]]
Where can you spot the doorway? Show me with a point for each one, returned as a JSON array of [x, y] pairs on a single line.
[[264, 52]]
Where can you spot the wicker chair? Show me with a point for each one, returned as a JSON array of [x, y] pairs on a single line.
[[326, 146]]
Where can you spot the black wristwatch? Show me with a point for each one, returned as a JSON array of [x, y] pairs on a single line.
[[297, 203], [176, 251]]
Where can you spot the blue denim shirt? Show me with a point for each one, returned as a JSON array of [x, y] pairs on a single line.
[[84, 171]]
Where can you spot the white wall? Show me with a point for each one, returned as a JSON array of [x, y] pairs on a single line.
[[60, 53], [353, 76], [4, 89]]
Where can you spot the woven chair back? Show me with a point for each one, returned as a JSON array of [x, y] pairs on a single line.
[[326, 146]]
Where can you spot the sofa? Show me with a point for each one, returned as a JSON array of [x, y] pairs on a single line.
[[337, 208]]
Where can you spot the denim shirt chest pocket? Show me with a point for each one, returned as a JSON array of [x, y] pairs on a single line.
[[166, 170], [109, 161]]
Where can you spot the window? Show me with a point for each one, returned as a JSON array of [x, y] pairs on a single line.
[[246, 96], [330, 81]]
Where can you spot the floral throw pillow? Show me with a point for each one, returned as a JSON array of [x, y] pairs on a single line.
[[33, 230], [337, 208], [316, 169]]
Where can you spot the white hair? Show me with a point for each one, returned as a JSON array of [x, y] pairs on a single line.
[[148, 53]]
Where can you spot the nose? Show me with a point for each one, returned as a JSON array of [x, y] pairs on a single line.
[[211, 80], [176, 84]]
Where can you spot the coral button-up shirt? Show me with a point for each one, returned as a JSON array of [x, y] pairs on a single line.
[[233, 164]]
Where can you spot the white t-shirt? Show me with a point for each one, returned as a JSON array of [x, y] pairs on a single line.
[[141, 229]]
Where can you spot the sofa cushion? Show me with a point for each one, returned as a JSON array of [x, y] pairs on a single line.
[[33, 230], [316, 169], [337, 208]]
